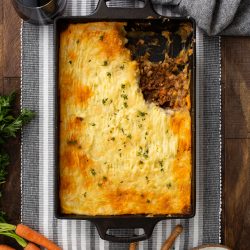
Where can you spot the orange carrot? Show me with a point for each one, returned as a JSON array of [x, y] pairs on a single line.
[[5, 247], [35, 237], [31, 246]]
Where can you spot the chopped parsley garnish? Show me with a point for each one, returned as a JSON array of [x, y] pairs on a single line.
[[123, 86], [77, 41], [125, 104], [104, 101], [147, 179], [85, 194], [89, 60], [112, 138], [104, 178], [129, 136], [70, 62], [169, 185], [140, 113], [72, 142], [140, 126], [125, 97], [139, 153], [107, 101], [143, 153], [161, 163], [79, 118], [92, 171], [101, 37], [141, 162], [105, 63], [92, 124], [122, 66], [108, 74]]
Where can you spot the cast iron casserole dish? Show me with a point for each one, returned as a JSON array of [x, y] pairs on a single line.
[[148, 16]]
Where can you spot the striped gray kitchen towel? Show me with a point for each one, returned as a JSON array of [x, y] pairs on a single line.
[[38, 86]]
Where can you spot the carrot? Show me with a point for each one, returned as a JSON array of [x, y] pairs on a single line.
[[5, 247], [33, 236], [133, 246], [31, 246]]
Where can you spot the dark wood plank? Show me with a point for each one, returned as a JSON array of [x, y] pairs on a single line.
[[236, 76], [11, 41], [237, 190], [236, 103], [1, 47], [9, 82], [11, 196]]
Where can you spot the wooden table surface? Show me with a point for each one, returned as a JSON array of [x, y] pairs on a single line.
[[236, 129]]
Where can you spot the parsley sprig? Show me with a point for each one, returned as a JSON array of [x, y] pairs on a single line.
[[9, 127]]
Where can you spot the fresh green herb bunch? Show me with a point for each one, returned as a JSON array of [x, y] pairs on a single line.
[[9, 126]]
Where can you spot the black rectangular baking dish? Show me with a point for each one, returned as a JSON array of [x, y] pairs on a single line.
[[148, 18]]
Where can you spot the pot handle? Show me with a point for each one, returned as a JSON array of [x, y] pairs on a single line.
[[103, 225], [105, 12]]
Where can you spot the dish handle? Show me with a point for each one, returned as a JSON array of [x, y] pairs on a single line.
[[147, 224], [102, 10]]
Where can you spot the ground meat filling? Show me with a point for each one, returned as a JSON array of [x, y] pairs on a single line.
[[166, 83]]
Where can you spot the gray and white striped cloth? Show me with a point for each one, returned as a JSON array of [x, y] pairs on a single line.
[[38, 86]]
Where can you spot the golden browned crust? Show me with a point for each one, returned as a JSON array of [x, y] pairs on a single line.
[[118, 154]]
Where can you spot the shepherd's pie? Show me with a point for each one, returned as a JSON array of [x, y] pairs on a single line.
[[118, 153]]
